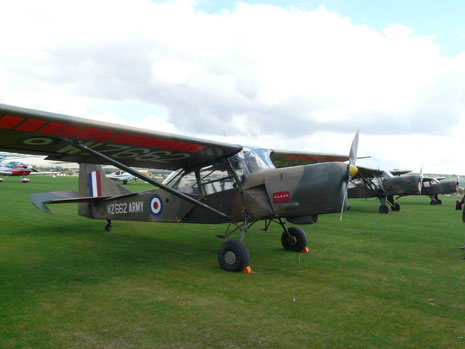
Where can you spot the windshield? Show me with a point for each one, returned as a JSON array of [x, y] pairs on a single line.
[[250, 160], [13, 164]]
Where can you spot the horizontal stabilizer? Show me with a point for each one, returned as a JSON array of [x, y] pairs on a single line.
[[60, 197]]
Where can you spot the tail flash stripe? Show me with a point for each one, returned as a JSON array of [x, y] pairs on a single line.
[[99, 183], [95, 185]]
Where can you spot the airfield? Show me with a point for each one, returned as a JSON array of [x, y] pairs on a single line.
[[372, 280]]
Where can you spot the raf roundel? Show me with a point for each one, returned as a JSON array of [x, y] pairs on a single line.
[[156, 205]]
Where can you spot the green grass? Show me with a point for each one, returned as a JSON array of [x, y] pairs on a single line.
[[373, 280]]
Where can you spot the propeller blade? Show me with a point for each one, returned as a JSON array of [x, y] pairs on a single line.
[[351, 169], [421, 178], [353, 149]]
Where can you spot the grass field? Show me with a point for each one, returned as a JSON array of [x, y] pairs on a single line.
[[373, 280]]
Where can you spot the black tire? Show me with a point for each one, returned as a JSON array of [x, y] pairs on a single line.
[[396, 207], [384, 209], [433, 202], [297, 240], [439, 201], [108, 227], [233, 255], [125, 182]]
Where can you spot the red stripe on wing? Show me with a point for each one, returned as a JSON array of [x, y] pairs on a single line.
[[140, 141], [30, 125], [10, 121], [104, 136], [70, 131], [87, 133], [51, 128]]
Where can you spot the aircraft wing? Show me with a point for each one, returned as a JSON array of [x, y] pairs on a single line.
[[400, 172], [41, 133], [285, 158]]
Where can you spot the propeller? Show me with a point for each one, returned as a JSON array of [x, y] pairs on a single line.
[[351, 169], [421, 178]]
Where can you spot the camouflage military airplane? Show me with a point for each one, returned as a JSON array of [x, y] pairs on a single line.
[[433, 187], [212, 182], [368, 183]]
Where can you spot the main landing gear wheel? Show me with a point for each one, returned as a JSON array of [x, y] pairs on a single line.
[[384, 209], [396, 207], [295, 241], [433, 202], [125, 182], [439, 202], [233, 255]]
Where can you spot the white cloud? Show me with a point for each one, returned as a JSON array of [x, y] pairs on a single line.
[[259, 74]]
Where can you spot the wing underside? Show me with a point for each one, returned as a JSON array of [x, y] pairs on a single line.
[[283, 158], [30, 131]]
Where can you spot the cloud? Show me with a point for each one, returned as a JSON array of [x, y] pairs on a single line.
[[255, 72]]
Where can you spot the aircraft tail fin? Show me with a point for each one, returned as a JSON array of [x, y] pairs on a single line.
[[94, 184], [94, 187]]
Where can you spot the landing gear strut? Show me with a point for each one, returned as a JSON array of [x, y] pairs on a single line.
[[108, 225], [394, 205]]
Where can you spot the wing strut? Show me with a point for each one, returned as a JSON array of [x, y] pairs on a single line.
[[146, 178]]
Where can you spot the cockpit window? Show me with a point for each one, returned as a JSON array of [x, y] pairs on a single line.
[[387, 174], [216, 178], [13, 164], [183, 182], [250, 160]]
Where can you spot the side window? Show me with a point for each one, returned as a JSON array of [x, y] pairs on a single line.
[[215, 179], [184, 182]]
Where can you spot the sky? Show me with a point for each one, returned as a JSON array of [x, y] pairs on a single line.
[[296, 75]]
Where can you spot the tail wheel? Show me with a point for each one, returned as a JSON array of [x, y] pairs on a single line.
[[295, 241], [396, 207], [233, 255], [384, 209]]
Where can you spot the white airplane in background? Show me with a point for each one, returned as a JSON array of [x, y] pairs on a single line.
[[122, 176]]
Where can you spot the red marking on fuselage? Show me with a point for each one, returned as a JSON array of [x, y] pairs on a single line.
[[281, 196], [10, 121], [30, 125]]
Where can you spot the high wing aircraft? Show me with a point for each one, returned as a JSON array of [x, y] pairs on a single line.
[[16, 168], [434, 186], [122, 176], [368, 183], [212, 182]]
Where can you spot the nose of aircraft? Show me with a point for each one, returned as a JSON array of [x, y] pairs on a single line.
[[413, 183]]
